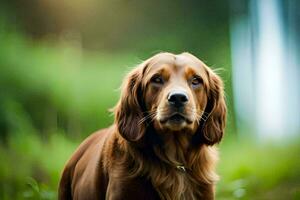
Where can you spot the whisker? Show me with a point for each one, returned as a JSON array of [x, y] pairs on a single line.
[[152, 114], [199, 116], [146, 117]]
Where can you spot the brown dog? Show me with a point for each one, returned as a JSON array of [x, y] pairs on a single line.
[[170, 114]]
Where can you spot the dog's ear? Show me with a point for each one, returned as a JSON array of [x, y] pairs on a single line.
[[129, 110], [213, 121]]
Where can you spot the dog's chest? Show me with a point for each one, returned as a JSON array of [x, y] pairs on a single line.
[[177, 184]]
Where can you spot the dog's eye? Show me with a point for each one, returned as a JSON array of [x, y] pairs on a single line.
[[196, 81], [157, 79]]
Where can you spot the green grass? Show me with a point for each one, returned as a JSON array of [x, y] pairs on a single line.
[[30, 168], [259, 170]]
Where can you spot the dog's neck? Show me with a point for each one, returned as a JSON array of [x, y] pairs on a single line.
[[173, 153], [173, 149]]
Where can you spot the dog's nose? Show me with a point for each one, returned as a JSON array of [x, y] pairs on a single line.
[[177, 99]]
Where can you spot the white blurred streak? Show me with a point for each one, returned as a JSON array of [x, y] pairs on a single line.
[[265, 56], [270, 82]]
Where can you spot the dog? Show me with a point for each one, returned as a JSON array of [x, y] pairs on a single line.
[[170, 115]]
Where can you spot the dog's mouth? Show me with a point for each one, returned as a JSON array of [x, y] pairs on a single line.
[[175, 118]]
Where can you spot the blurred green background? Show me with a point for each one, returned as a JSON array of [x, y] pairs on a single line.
[[62, 62]]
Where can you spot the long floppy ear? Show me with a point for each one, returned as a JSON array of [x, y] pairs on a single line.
[[213, 121], [129, 110]]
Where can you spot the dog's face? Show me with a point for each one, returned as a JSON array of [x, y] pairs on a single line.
[[174, 94]]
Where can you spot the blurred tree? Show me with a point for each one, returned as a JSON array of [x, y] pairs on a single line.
[[127, 24], [114, 28]]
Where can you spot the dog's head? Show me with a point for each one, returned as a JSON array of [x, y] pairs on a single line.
[[172, 94]]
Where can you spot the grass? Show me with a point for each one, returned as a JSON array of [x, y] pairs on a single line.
[[30, 168], [252, 170]]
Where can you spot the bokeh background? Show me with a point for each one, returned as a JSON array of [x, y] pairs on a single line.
[[62, 62]]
